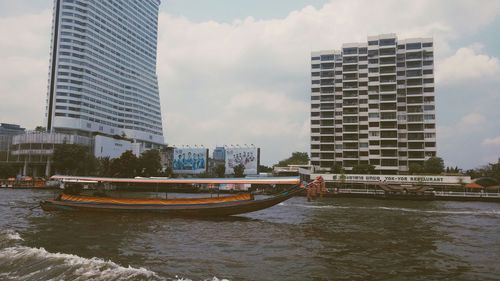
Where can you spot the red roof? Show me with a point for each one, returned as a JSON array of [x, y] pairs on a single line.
[[473, 185]]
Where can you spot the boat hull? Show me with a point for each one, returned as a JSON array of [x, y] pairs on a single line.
[[198, 210]]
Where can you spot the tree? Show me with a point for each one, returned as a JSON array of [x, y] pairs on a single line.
[[8, 170], [239, 171], [150, 163], [104, 167], [453, 170], [493, 170], [204, 175], [343, 178], [169, 172], [416, 168], [336, 168], [363, 169], [40, 129], [297, 158], [434, 165], [73, 159], [265, 169], [220, 170], [127, 166]]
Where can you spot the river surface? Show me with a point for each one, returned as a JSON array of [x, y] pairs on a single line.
[[331, 239]]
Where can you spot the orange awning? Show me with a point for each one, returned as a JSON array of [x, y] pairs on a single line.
[[473, 185]]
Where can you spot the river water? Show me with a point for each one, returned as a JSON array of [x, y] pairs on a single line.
[[332, 239]]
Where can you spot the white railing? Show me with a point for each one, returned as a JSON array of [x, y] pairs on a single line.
[[356, 191], [467, 194], [436, 193]]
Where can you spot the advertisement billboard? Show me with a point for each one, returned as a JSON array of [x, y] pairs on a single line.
[[247, 156], [190, 160]]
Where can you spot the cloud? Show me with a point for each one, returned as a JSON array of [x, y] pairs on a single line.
[[467, 65], [468, 124], [492, 141], [471, 119], [24, 54], [248, 81]]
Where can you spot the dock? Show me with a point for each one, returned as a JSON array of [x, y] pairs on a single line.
[[435, 195]]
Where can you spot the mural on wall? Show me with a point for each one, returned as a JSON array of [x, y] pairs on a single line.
[[247, 156]]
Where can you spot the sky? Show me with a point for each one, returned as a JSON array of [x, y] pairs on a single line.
[[238, 71]]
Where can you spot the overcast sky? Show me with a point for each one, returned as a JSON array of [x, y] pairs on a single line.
[[237, 71]]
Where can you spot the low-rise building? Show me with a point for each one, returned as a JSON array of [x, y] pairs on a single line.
[[219, 153], [7, 132], [33, 151]]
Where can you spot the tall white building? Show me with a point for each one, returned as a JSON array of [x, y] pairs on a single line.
[[102, 75], [373, 103]]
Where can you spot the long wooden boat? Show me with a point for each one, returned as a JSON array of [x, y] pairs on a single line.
[[214, 206]]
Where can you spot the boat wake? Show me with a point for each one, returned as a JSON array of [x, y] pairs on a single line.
[[445, 212], [477, 212], [24, 263]]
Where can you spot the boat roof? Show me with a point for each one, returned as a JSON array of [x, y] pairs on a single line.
[[247, 180]]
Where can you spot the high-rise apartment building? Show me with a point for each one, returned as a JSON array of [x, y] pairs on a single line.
[[373, 103], [102, 75]]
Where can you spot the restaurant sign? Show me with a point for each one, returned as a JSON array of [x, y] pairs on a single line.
[[350, 178]]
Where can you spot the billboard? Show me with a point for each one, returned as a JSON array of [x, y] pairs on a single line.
[[190, 160], [247, 156], [113, 148]]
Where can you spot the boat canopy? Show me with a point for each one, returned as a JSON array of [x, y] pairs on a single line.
[[249, 180], [154, 201]]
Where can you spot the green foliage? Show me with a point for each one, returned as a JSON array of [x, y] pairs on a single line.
[[169, 172], [127, 166], [363, 169], [73, 159], [297, 158], [8, 170], [239, 171], [453, 170], [434, 165], [104, 167], [336, 168], [150, 163], [492, 170], [416, 169], [204, 175], [265, 169], [343, 177], [220, 170], [40, 129]]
